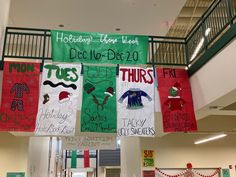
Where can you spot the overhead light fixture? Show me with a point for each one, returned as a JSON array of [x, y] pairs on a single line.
[[210, 138], [117, 29], [200, 44]]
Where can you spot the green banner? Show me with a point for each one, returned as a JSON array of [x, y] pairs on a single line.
[[73, 159], [225, 173], [70, 46], [99, 100], [15, 174]]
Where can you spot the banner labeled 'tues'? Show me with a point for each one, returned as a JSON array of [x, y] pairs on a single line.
[[135, 94], [58, 100], [19, 103], [176, 100], [71, 46], [99, 99]]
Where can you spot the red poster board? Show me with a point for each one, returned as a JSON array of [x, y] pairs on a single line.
[[86, 159], [149, 173], [176, 100], [20, 93]]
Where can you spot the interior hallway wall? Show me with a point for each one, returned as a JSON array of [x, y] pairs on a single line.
[[4, 14], [13, 153], [176, 150]]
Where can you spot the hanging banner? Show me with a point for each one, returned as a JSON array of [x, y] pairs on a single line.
[[73, 162], [135, 107], [71, 46], [15, 174], [86, 159], [176, 100], [58, 99], [20, 90], [89, 142], [148, 157], [99, 100]]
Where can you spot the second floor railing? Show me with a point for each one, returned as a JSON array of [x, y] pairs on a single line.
[[32, 43]]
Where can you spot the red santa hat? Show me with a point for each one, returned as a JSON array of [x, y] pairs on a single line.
[[109, 91], [64, 96], [176, 86]]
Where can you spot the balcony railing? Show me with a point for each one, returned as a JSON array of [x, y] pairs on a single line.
[[216, 23]]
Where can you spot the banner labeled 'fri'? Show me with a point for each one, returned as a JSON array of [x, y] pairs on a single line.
[[135, 107], [58, 100], [176, 100], [20, 89]]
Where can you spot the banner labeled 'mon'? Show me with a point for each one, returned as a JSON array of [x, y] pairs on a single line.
[[58, 99], [20, 89], [135, 94], [89, 142], [99, 99], [71, 46], [176, 100]]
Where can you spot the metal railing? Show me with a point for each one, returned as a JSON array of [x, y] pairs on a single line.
[[211, 26], [32, 43]]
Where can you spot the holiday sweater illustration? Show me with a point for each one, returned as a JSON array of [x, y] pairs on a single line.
[[134, 98]]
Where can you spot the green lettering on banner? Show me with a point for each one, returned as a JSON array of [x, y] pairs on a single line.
[[70, 46], [66, 74]]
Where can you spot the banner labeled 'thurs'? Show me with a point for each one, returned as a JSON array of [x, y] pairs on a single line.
[[20, 89], [58, 99], [176, 100], [135, 94]]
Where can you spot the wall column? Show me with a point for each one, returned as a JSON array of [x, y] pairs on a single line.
[[4, 15], [130, 157]]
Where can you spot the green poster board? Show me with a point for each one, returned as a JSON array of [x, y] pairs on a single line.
[[99, 100], [71, 46], [225, 173], [15, 174]]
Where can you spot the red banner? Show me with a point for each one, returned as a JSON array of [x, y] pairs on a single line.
[[176, 100], [20, 94], [149, 173], [86, 159]]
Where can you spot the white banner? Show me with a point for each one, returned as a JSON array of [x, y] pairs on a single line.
[[135, 107], [58, 101], [89, 142]]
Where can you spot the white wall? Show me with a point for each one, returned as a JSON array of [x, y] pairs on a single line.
[[4, 13], [38, 155], [130, 157], [13, 153], [216, 78]]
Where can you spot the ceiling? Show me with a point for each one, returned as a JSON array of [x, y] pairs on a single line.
[[146, 17], [188, 16], [152, 17]]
